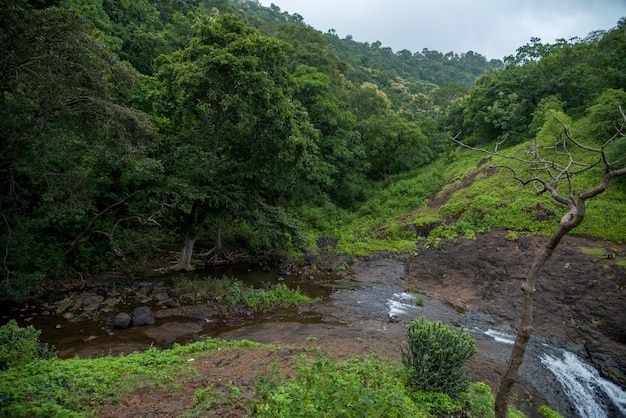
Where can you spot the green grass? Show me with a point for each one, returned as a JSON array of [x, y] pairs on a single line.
[[472, 200], [74, 387], [233, 293]]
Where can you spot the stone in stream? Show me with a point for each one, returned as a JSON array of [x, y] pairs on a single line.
[[121, 320], [142, 316], [91, 303]]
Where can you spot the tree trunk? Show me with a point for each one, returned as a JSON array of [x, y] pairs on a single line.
[[572, 219], [218, 239], [184, 260]]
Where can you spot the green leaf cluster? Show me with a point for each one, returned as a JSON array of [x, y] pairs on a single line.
[[20, 345], [350, 388]]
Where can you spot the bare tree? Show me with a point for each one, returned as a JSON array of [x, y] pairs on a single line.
[[551, 169]]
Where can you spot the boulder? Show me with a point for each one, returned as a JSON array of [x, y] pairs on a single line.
[[142, 316], [121, 320], [91, 303]]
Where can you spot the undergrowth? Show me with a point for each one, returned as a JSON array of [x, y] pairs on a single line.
[[319, 386], [463, 198], [76, 387], [365, 387], [234, 293]]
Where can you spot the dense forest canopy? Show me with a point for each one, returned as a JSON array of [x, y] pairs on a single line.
[[131, 129]]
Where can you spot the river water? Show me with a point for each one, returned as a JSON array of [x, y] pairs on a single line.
[[371, 310]]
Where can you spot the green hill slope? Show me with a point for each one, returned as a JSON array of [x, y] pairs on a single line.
[[465, 197]]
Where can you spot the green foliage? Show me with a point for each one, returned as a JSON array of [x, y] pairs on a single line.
[[350, 388], [20, 346], [435, 356], [233, 293], [276, 295], [547, 412], [66, 388], [480, 402], [437, 403], [261, 125], [358, 388]]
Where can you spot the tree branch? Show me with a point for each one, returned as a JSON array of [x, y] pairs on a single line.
[[78, 241]]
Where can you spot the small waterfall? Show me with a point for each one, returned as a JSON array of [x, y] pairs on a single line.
[[589, 393], [401, 304], [501, 337], [584, 386]]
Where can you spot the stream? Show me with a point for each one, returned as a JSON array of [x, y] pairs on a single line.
[[370, 309]]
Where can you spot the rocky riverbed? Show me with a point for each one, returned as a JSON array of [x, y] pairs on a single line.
[[473, 283]]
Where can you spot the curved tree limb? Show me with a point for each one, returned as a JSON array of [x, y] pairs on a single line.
[[80, 239]]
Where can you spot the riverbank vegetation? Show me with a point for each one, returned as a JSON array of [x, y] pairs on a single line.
[[232, 293], [38, 384]]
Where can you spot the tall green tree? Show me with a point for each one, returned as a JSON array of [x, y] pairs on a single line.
[[392, 144], [339, 166], [241, 141], [71, 153]]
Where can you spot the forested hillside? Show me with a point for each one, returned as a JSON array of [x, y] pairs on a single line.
[[217, 130]]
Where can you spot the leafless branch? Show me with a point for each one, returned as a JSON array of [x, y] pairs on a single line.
[[555, 164]]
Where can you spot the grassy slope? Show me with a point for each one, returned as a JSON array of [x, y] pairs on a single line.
[[466, 196]]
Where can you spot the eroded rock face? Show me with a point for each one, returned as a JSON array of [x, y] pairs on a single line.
[[142, 316]]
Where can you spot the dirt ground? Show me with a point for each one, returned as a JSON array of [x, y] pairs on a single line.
[[580, 300]]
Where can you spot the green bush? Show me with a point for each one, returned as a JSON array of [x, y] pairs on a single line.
[[19, 346], [350, 388], [547, 412], [435, 356]]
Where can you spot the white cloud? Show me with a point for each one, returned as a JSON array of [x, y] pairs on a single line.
[[494, 29]]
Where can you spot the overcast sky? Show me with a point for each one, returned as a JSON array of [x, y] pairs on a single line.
[[493, 28]]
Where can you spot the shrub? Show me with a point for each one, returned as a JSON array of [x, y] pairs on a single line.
[[350, 388], [19, 346], [548, 412], [435, 356]]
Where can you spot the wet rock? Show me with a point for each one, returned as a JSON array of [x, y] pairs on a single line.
[[192, 312], [169, 332], [142, 316], [121, 320], [161, 297], [172, 303], [91, 303]]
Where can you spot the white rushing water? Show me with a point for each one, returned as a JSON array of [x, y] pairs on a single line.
[[500, 337], [584, 386], [401, 304], [580, 381]]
